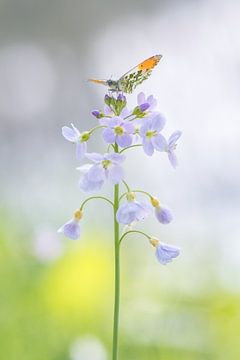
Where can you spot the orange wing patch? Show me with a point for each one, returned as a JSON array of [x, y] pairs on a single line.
[[149, 63]]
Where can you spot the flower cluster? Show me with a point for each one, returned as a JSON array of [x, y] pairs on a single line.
[[123, 129]]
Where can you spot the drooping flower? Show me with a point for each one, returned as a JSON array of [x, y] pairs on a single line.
[[119, 131], [163, 215], [150, 100], [164, 253], [71, 228], [105, 167], [171, 146], [132, 211], [80, 139], [150, 134]]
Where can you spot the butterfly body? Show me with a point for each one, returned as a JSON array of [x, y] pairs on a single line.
[[134, 77]]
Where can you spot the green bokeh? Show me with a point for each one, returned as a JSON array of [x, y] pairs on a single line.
[[45, 307]]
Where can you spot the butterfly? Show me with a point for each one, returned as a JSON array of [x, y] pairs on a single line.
[[128, 82]]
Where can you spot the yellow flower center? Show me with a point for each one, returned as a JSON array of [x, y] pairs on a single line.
[[85, 136], [106, 163], [119, 130], [150, 133]]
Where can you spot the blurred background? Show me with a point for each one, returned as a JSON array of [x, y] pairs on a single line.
[[56, 296]]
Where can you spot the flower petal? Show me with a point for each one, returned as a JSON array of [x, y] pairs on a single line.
[[165, 253], [95, 157], [148, 147], [163, 215], [159, 142], [145, 127], [86, 185], [71, 229], [84, 168], [69, 134], [96, 173], [158, 122], [115, 121], [124, 140], [81, 149], [125, 112], [173, 159], [126, 213], [173, 138], [141, 98], [115, 157], [115, 173], [152, 102], [129, 127], [108, 135]]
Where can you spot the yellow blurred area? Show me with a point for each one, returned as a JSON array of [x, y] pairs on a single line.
[[80, 282]]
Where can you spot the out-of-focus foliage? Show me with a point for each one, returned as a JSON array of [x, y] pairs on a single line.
[[45, 307]]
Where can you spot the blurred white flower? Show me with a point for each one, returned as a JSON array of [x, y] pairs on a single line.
[[47, 245], [86, 348]]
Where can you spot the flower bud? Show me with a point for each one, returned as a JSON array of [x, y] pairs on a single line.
[[97, 114], [107, 100], [139, 110]]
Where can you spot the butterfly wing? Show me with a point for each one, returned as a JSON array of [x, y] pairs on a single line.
[[135, 76]]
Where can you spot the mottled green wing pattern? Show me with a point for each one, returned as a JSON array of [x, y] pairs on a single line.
[[128, 82], [138, 74]]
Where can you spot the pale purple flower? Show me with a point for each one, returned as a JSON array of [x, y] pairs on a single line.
[[150, 100], [150, 134], [119, 131], [171, 146], [132, 211], [163, 215], [71, 228], [105, 167], [80, 139], [165, 253]]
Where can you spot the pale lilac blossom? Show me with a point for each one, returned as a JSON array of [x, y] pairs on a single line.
[[80, 139], [105, 167], [71, 228], [163, 215], [171, 146], [150, 134], [132, 211], [119, 131], [164, 253]]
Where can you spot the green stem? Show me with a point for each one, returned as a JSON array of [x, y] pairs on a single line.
[[96, 128], [95, 197], [127, 187], [117, 273], [133, 231], [129, 147]]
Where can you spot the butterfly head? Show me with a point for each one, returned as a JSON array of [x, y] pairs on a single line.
[[113, 85]]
